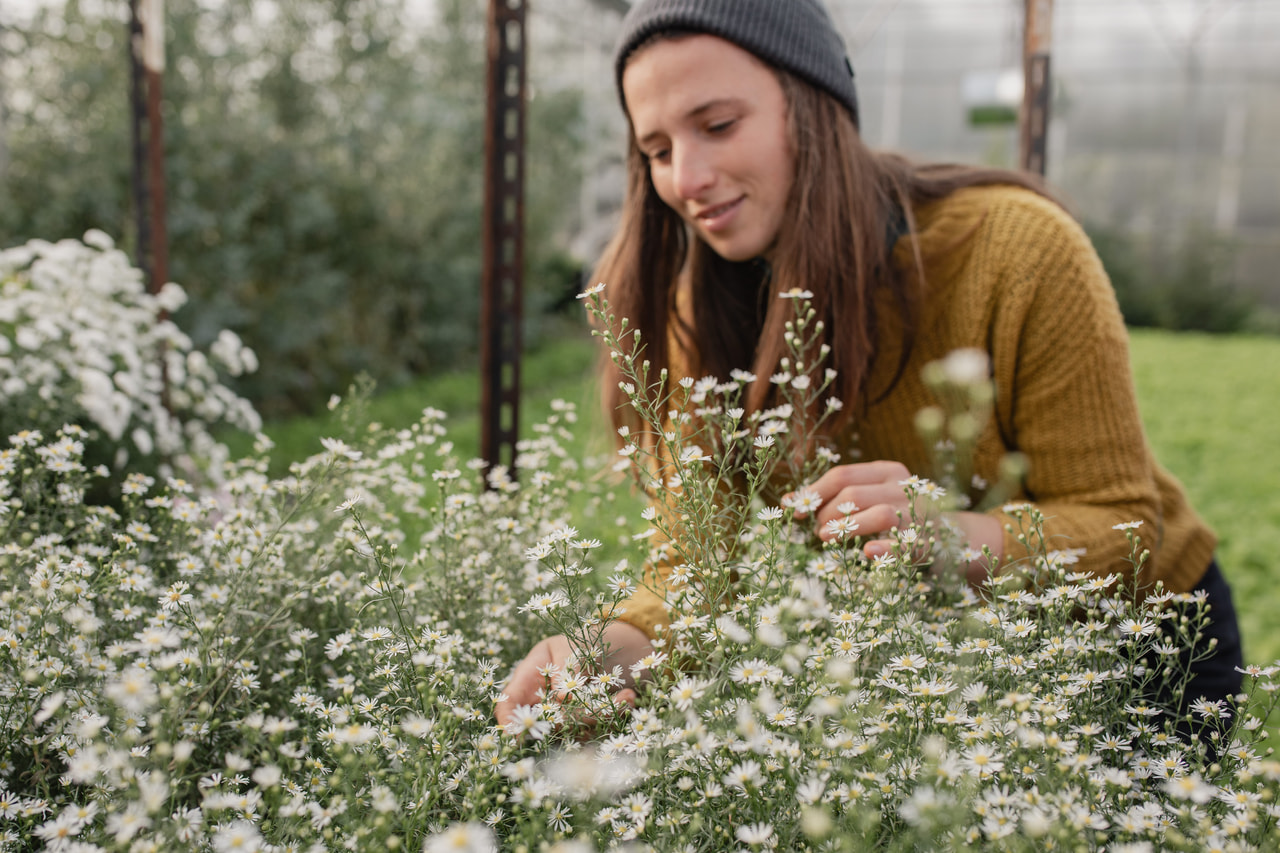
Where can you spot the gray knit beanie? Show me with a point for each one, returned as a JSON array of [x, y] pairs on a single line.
[[796, 35]]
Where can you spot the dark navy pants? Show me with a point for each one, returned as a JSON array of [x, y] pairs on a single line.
[[1218, 676]]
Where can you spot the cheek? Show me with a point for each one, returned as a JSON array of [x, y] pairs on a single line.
[[776, 161], [783, 168], [661, 180]]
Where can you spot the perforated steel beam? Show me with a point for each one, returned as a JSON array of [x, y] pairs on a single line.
[[502, 271], [1034, 120]]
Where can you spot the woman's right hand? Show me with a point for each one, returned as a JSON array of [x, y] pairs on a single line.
[[626, 644]]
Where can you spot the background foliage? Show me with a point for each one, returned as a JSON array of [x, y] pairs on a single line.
[[1183, 285], [1210, 404], [324, 161]]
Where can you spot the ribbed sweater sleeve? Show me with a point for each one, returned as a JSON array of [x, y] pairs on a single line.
[[1065, 396], [1013, 274]]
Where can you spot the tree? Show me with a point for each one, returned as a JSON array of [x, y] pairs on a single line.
[[324, 170]]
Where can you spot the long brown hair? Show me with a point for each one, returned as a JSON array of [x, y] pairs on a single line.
[[845, 207]]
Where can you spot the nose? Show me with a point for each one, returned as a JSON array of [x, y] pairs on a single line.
[[692, 171]]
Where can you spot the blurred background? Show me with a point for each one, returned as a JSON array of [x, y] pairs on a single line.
[[324, 156], [1163, 136]]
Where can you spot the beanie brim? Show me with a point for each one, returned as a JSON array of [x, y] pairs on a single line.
[[795, 35]]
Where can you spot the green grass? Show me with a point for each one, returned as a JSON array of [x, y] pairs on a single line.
[[562, 369], [1211, 406]]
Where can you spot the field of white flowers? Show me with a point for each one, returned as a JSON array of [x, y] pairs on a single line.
[[310, 663]]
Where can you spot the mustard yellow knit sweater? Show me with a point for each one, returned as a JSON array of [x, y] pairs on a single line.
[[1012, 274]]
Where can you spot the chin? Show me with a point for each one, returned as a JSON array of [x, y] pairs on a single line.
[[737, 251]]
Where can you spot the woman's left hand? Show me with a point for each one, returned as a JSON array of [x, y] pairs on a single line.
[[871, 495]]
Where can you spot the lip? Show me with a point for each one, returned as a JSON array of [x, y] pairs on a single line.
[[717, 217]]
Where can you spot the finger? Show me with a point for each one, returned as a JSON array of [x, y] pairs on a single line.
[[860, 474], [875, 518], [853, 499], [844, 477], [877, 548], [523, 686], [837, 504], [916, 554]]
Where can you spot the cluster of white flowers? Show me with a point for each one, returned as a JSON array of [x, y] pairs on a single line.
[[272, 675], [82, 341], [191, 665], [262, 672]]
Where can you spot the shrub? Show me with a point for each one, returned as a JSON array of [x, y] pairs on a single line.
[[325, 173], [83, 342], [310, 663], [1189, 286]]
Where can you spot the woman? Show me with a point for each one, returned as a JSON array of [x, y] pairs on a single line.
[[747, 178]]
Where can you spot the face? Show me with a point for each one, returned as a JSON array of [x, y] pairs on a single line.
[[711, 120]]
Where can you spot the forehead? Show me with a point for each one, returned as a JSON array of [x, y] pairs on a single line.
[[669, 77]]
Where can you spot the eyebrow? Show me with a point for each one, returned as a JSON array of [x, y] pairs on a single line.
[[694, 113]]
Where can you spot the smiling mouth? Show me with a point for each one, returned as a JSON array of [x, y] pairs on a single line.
[[718, 210]]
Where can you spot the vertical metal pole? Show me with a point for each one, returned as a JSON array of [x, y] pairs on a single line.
[[502, 272], [4, 111], [153, 65], [146, 54], [137, 113], [1034, 118]]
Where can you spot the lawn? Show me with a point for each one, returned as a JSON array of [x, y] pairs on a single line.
[[1212, 409], [1211, 405]]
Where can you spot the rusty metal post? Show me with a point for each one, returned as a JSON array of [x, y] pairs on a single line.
[[502, 271], [138, 145], [146, 69], [1034, 119], [153, 66]]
